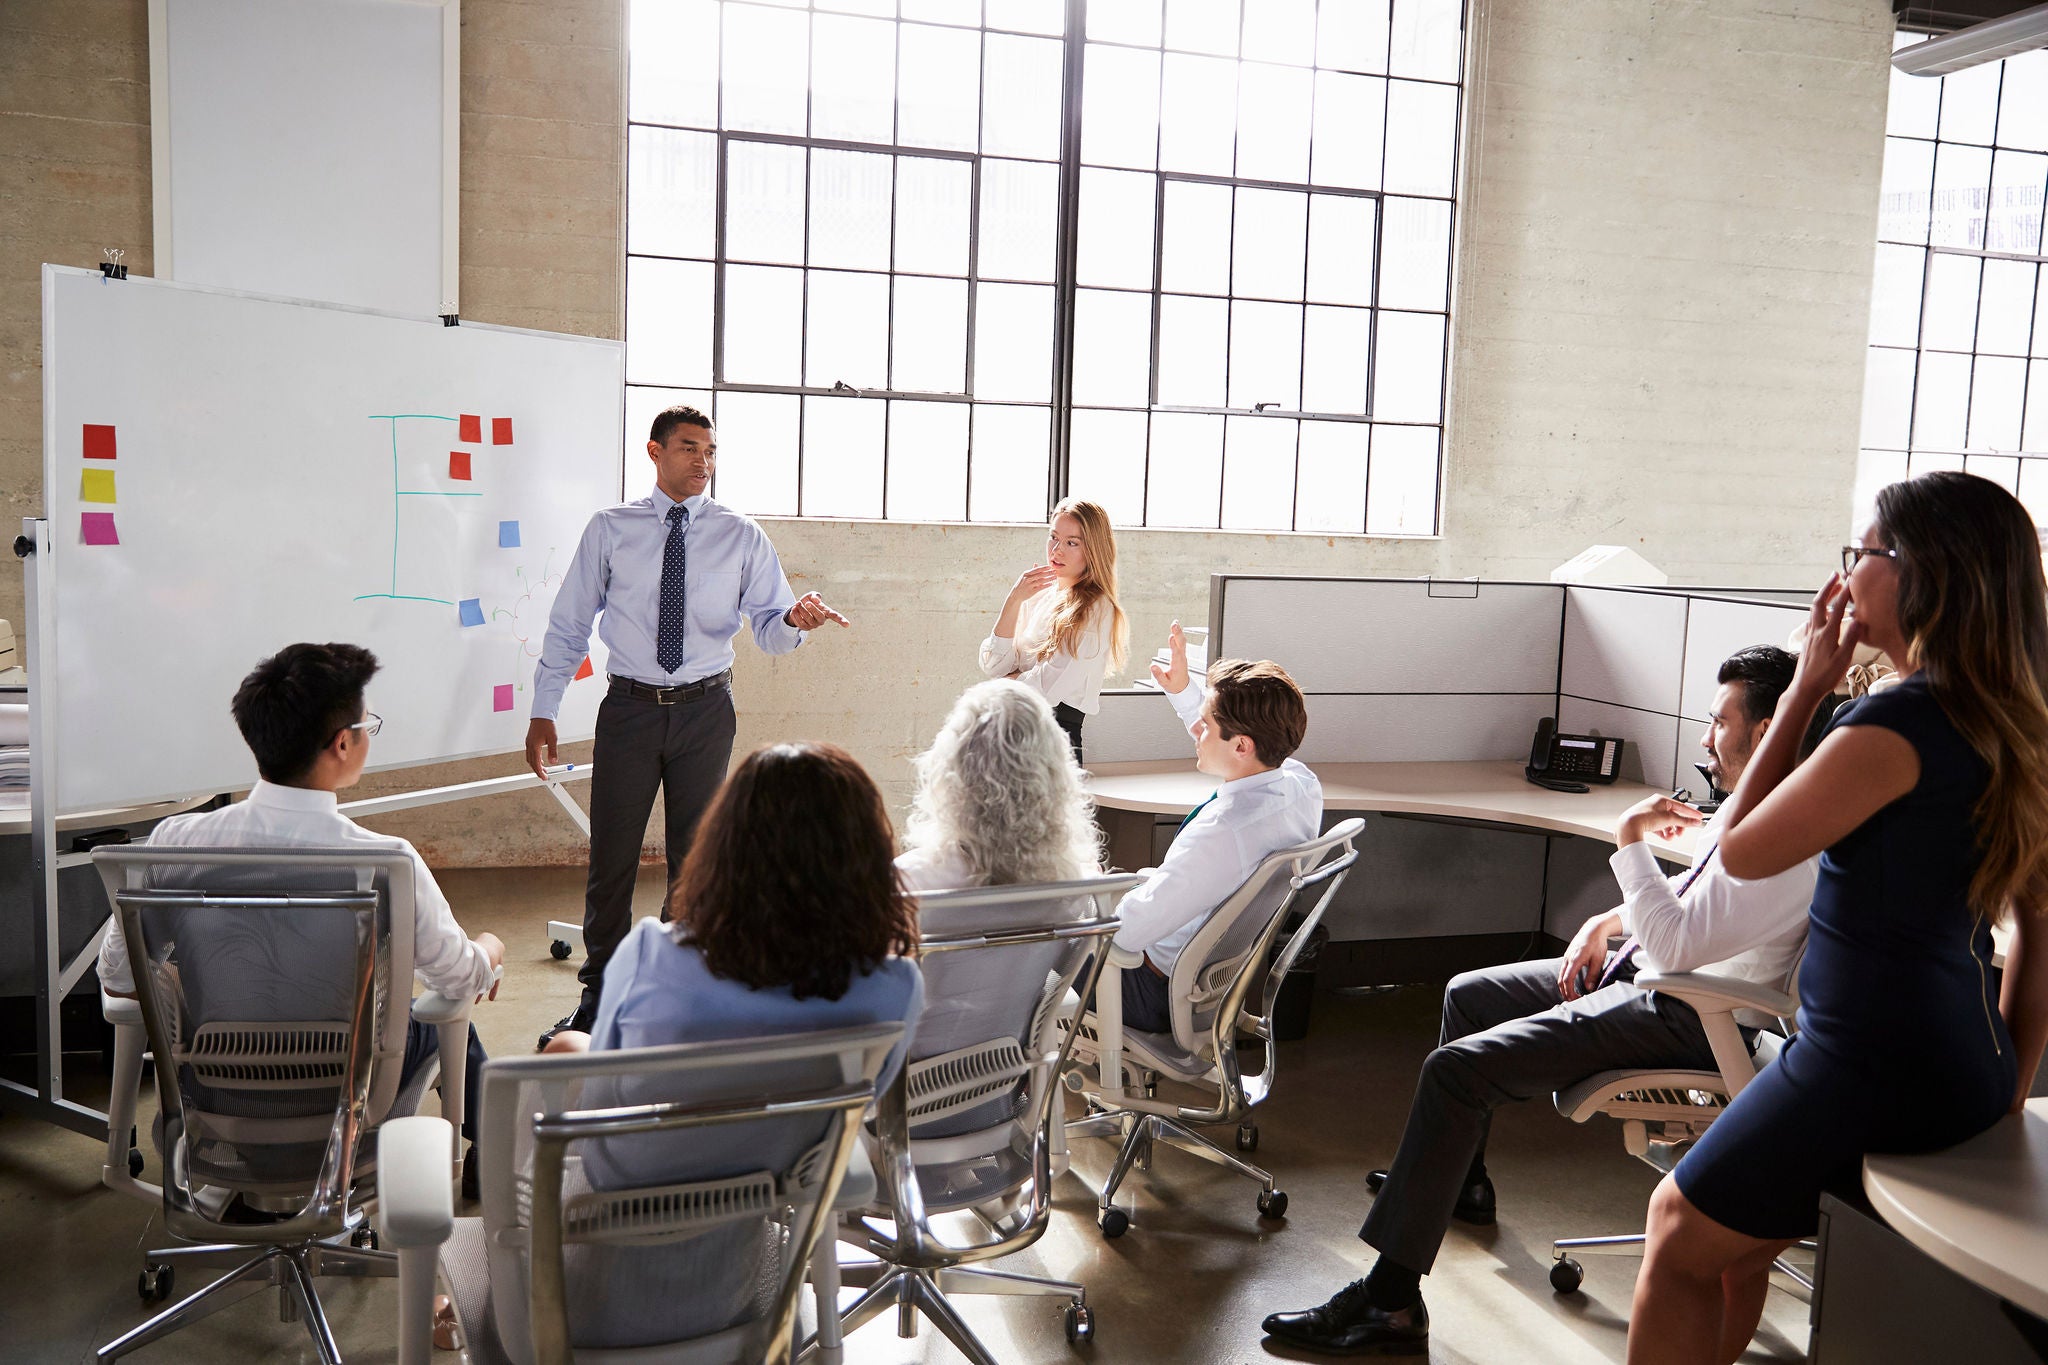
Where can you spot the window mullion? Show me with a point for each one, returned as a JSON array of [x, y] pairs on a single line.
[[1074, 49]]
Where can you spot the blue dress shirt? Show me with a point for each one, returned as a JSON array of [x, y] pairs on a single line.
[[733, 572]]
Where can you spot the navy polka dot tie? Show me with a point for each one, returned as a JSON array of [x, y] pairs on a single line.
[[668, 639]]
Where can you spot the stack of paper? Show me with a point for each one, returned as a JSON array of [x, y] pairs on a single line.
[[13, 765]]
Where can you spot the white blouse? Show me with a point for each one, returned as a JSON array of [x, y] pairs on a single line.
[[1073, 679]]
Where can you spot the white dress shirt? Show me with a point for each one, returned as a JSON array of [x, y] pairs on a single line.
[[297, 817], [1751, 930], [731, 571], [1061, 678], [932, 869], [1217, 849]]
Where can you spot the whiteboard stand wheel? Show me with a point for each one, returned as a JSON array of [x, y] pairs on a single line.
[[558, 949]]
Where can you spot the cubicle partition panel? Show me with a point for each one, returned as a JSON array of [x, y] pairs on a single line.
[[1419, 670]]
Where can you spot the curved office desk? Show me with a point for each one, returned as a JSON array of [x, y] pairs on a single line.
[[1980, 1208], [1490, 793]]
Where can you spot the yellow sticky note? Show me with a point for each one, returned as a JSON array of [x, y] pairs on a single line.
[[96, 485]]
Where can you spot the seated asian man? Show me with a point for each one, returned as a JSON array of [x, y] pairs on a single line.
[[301, 712], [1245, 723], [1529, 1028]]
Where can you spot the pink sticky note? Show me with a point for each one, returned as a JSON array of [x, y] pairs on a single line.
[[470, 428], [501, 431], [501, 695], [98, 529], [99, 442]]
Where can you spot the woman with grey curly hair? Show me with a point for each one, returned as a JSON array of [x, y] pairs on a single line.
[[999, 799]]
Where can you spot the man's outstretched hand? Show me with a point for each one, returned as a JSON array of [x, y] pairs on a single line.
[[540, 746], [810, 612], [1174, 676]]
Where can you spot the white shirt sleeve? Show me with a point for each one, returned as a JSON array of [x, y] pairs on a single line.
[[998, 656], [1200, 868], [115, 976], [443, 957], [1720, 917], [1073, 679], [1187, 703]]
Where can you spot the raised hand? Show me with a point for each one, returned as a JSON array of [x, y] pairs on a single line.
[[1831, 640], [1663, 816], [1174, 676], [1031, 582]]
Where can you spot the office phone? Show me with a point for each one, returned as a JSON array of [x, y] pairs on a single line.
[[1566, 763]]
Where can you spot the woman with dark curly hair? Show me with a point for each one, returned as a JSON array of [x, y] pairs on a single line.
[[1929, 802], [786, 917]]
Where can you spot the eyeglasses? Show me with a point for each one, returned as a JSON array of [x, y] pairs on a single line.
[[1852, 555], [370, 724]]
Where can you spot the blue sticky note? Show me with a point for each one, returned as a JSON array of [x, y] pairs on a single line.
[[472, 611], [508, 535]]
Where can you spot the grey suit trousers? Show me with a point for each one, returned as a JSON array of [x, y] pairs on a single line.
[[1509, 1035], [680, 750]]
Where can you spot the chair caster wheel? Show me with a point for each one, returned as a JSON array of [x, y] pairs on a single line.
[[364, 1237], [154, 1283], [1080, 1325], [1272, 1203], [558, 949], [1566, 1275], [134, 1161], [1114, 1223], [1247, 1137]]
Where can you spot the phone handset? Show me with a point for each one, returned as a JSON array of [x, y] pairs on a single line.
[[1541, 751]]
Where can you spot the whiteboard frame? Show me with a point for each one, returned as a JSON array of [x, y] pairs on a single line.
[[45, 701], [161, 188]]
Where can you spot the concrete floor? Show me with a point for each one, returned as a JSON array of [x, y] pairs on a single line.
[[1190, 1281]]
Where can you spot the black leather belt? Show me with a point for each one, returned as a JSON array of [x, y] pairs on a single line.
[[669, 696]]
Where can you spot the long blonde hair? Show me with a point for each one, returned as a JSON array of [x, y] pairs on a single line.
[[1973, 608], [1097, 583]]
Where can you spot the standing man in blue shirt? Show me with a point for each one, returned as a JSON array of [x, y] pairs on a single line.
[[673, 574]]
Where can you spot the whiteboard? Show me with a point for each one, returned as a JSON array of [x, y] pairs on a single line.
[[284, 471], [308, 148]]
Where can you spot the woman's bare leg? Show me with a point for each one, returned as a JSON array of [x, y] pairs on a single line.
[[1681, 1310]]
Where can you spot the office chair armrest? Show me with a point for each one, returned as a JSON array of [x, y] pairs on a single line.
[[1122, 957], [435, 1008], [120, 1009], [1708, 993], [415, 1204], [415, 1215]]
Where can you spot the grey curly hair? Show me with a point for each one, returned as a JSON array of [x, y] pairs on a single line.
[[999, 788]]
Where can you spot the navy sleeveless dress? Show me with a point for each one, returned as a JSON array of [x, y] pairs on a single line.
[[1900, 1047]]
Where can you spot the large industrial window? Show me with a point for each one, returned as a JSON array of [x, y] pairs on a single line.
[[950, 260], [1958, 361]]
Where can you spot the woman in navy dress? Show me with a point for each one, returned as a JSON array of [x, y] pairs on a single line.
[[1929, 805]]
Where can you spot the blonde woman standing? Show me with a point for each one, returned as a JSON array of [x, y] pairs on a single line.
[[1060, 630]]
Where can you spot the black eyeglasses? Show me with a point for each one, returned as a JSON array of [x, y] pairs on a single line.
[[1852, 555]]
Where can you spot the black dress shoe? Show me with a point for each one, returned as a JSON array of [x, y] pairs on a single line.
[[582, 1020], [1348, 1325], [1475, 1202]]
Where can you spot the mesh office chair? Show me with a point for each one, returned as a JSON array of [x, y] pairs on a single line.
[[1663, 1112], [1211, 983], [270, 984], [123, 1166], [614, 1181], [970, 1125]]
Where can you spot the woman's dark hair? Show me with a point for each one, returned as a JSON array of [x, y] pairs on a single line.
[[790, 880], [1973, 609]]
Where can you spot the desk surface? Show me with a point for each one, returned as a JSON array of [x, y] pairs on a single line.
[[1494, 791], [14, 813], [1981, 1209]]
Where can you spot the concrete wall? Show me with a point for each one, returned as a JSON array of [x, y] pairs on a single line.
[[1664, 278]]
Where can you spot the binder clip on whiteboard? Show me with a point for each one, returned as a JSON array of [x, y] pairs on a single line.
[[111, 268]]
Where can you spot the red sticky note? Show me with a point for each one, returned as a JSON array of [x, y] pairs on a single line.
[[458, 464], [501, 431], [99, 442], [583, 670], [501, 697], [98, 528], [472, 427]]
